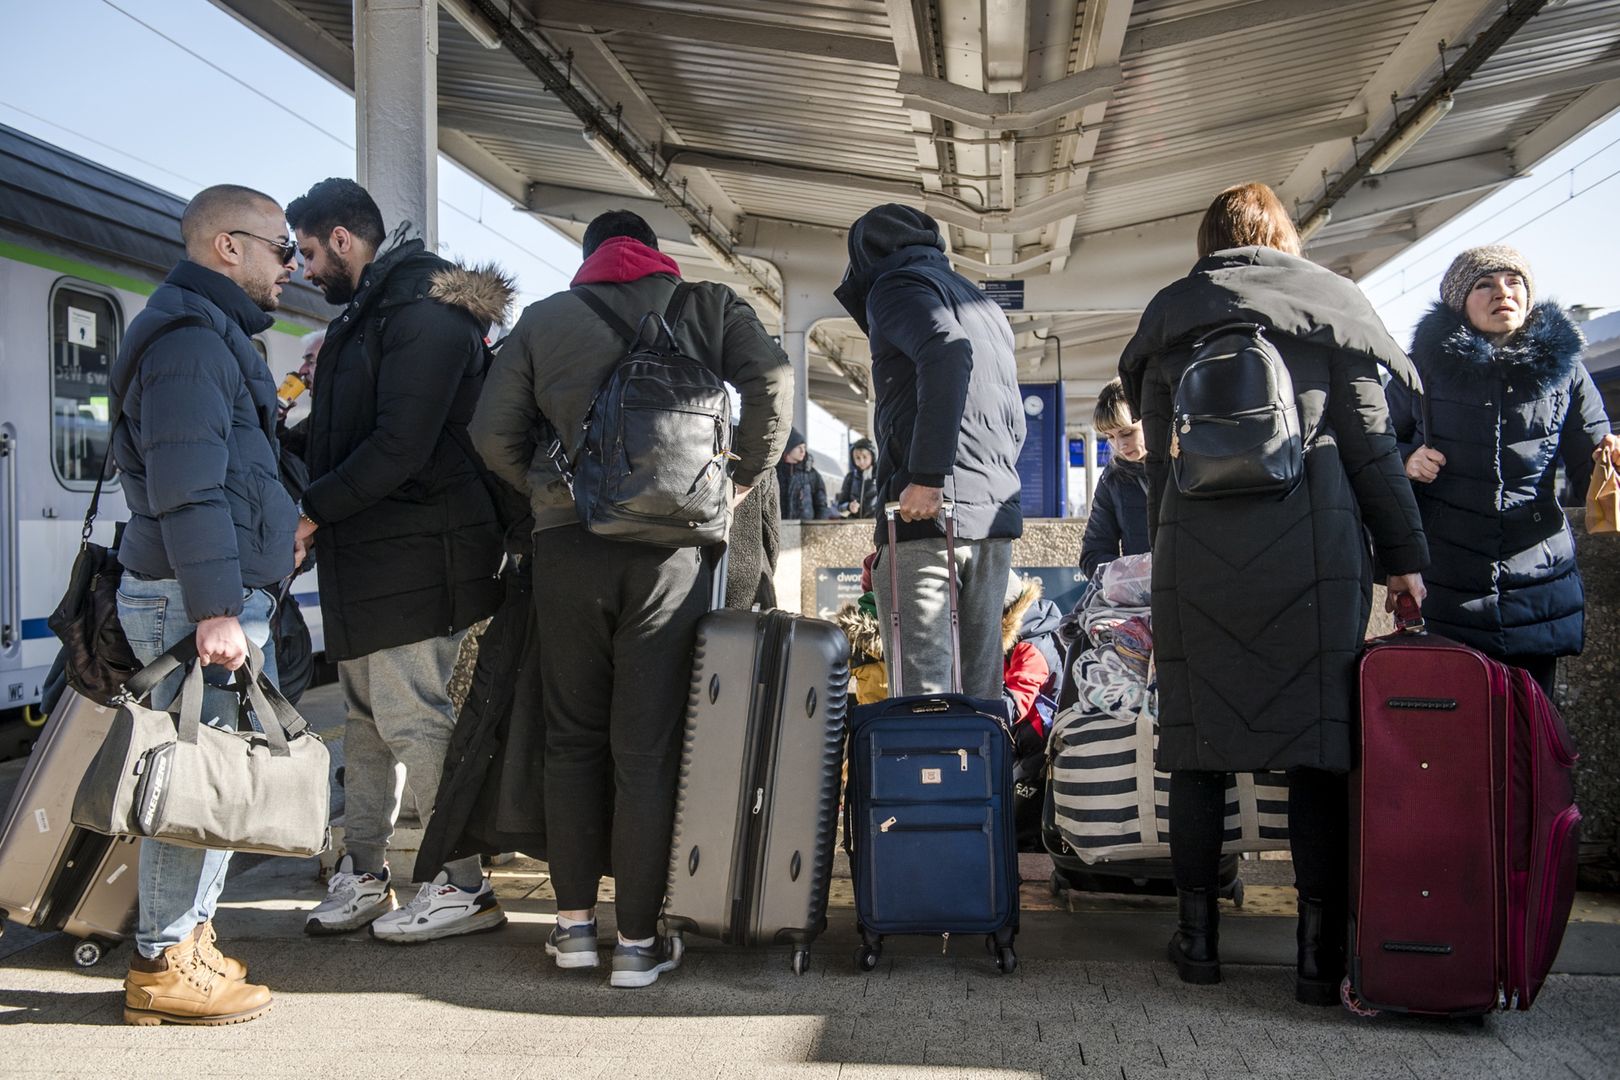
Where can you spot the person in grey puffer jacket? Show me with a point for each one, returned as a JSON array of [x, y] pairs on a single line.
[[1508, 399]]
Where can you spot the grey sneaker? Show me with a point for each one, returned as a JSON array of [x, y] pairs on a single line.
[[640, 965], [574, 947]]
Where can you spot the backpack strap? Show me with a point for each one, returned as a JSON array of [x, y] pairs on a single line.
[[117, 414], [677, 304], [606, 314]]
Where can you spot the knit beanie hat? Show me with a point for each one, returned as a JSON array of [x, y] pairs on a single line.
[[1474, 264]]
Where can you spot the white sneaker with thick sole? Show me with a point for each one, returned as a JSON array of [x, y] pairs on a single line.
[[441, 910], [352, 901]]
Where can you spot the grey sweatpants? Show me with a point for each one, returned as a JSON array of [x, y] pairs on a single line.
[[400, 721], [925, 627]]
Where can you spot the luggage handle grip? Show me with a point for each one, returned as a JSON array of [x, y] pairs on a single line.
[[891, 513], [1408, 615]]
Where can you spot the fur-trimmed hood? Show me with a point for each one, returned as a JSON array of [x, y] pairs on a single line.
[[1012, 615], [862, 628], [1538, 358], [484, 290]]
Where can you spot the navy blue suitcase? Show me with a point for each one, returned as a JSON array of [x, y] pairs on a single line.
[[929, 812]]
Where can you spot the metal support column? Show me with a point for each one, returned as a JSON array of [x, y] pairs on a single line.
[[1091, 467], [396, 109], [796, 343]]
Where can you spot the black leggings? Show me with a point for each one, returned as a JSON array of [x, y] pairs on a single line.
[[1318, 830]]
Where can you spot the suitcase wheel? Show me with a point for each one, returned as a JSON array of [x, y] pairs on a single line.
[[1006, 959], [801, 961], [1236, 892], [1057, 885], [88, 953], [869, 951]]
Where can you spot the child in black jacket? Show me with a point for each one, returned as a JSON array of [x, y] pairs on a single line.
[[1117, 523]]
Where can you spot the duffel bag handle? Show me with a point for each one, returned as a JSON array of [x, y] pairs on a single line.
[[278, 719]]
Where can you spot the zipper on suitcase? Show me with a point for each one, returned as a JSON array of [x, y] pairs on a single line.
[[747, 877]]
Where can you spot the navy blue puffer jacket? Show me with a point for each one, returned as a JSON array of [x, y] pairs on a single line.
[[1501, 574], [198, 447]]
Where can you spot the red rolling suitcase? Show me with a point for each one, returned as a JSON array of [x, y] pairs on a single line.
[[1463, 831]]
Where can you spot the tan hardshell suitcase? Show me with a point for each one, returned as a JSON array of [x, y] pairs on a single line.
[[54, 876]]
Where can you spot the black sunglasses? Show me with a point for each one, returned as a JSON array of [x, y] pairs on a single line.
[[285, 249]]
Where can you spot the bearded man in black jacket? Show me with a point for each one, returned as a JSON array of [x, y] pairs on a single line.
[[407, 539]]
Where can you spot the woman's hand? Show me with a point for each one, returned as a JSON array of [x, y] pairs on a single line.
[[1608, 446], [1425, 464], [1404, 583]]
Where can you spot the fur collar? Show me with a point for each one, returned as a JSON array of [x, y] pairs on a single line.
[[1539, 358], [863, 630], [484, 290]]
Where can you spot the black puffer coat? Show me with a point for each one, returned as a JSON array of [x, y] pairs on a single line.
[[1502, 574], [949, 411], [1117, 523], [408, 544], [1260, 604]]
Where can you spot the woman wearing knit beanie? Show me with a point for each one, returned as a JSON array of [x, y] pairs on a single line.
[[1508, 399]]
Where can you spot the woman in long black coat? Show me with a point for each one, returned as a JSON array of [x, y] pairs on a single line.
[[1260, 603], [1508, 399]]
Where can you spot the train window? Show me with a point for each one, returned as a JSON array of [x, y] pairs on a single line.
[[85, 330]]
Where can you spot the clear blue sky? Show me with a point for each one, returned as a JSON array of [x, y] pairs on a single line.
[[88, 77]]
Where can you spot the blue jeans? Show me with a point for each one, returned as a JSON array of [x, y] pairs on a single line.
[[180, 886]]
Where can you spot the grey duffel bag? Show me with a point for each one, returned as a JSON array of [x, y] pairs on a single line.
[[171, 777]]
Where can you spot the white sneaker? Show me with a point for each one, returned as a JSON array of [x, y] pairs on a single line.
[[352, 900], [441, 910]]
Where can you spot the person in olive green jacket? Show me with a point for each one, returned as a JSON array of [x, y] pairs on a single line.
[[617, 618]]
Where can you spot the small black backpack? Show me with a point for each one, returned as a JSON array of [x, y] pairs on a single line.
[[655, 456], [1236, 424]]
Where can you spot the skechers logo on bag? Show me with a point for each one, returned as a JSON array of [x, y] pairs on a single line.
[[153, 787]]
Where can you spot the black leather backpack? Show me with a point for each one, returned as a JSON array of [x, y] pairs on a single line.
[[1236, 424], [657, 440]]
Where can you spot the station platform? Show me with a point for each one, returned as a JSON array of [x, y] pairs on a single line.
[[1092, 998]]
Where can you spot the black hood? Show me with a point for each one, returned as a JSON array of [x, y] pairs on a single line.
[[881, 239], [1293, 296], [869, 447]]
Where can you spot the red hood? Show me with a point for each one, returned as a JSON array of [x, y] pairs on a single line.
[[623, 259]]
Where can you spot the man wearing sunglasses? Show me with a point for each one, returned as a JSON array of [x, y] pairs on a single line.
[[211, 532]]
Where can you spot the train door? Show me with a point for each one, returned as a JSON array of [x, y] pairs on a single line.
[[10, 602]]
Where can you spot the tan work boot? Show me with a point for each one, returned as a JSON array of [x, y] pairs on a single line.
[[180, 987], [207, 939]]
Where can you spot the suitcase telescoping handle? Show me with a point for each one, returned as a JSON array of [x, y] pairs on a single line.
[[891, 513]]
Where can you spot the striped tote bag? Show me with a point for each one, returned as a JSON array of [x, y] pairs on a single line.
[[1110, 804]]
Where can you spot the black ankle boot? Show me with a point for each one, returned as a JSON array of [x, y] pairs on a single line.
[[1320, 966], [1195, 948]]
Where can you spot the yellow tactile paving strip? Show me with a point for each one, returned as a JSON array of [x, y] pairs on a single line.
[[526, 879]]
